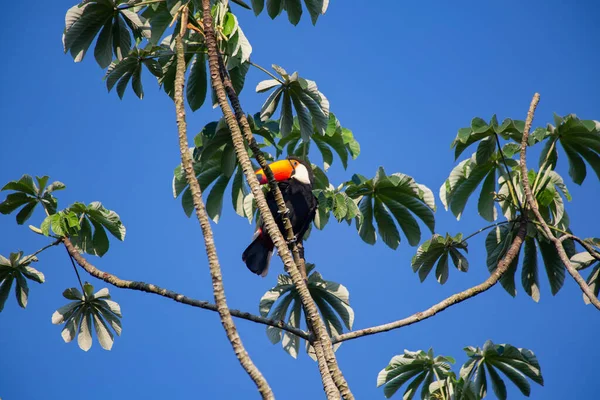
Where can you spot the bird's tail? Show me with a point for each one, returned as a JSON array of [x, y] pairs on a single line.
[[257, 256]]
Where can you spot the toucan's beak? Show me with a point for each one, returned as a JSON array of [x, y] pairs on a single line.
[[282, 170]]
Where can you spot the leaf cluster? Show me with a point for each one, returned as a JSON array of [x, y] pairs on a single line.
[[87, 309], [437, 380], [17, 269], [282, 302], [27, 195]]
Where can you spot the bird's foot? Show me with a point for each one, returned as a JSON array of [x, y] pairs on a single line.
[[285, 212], [292, 240]]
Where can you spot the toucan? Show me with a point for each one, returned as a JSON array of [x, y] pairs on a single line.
[[295, 179]]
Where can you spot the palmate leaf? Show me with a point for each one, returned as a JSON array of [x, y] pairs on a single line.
[[332, 300], [293, 8], [515, 363], [113, 26], [336, 140], [499, 240], [399, 196], [27, 195], [311, 106], [76, 222], [482, 131], [420, 365], [580, 140], [439, 249], [466, 177], [89, 309], [17, 269]]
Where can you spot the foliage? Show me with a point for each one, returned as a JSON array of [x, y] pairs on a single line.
[[420, 365], [439, 249], [437, 381], [516, 364], [396, 195], [17, 269], [28, 195], [332, 300], [580, 140], [89, 308]]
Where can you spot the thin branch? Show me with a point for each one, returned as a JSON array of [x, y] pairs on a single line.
[[178, 297], [546, 159], [268, 219], [534, 208], [266, 72], [503, 266], [485, 229], [56, 242], [586, 246], [211, 251]]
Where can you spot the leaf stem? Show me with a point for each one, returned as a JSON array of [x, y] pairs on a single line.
[[442, 389], [485, 229], [266, 72], [76, 273], [56, 242], [511, 187]]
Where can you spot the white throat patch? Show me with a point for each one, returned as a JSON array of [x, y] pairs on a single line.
[[301, 174]]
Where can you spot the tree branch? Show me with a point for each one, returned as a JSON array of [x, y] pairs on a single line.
[[586, 246], [211, 252], [178, 297], [322, 337], [534, 208], [503, 265], [268, 219]]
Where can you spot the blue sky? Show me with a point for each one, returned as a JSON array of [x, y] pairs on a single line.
[[404, 78]]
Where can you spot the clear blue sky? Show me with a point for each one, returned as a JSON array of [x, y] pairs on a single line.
[[404, 78]]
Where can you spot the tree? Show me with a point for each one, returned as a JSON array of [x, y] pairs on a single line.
[[531, 202]]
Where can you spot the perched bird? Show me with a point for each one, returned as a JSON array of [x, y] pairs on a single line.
[[295, 179]]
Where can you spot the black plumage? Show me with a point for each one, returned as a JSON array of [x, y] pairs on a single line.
[[302, 206]]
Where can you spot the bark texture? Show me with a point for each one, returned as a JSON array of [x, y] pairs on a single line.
[[211, 252], [178, 297], [503, 265]]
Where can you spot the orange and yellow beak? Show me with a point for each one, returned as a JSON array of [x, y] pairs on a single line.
[[282, 170]]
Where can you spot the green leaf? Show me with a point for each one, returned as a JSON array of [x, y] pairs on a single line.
[[197, 82], [441, 270], [26, 213], [555, 269], [82, 25], [407, 222], [497, 383], [306, 128], [487, 204], [257, 6], [107, 218], [214, 202], [270, 105], [99, 239], [485, 149], [5, 290], [294, 10], [366, 230], [103, 50], [121, 38], [136, 82], [529, 273], [385, 225], [274, 8]]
